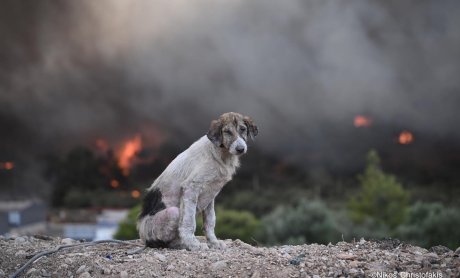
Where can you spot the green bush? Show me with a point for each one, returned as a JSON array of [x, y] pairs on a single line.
[[230, 224], [307, 222], [234, 224], [382, 198], [127, 228], [431, 224]]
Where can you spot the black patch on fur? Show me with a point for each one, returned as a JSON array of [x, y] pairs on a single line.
[[156, 243], [152, 203]]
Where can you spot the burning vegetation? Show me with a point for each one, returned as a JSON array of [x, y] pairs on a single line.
[[7, 165], [362, 121], [128, 152], [405, 137]]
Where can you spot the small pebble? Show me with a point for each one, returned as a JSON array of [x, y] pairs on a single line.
[[85, 275], [124, 274], [217, 266], [20, 253], [67, 241], [31, 271], [81, 269], [20, 240], [160, 257]]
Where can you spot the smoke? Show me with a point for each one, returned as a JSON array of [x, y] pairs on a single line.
[[71, 71]]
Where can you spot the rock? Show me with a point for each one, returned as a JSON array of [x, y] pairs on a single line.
[[20, 240], [345, 256], [439, 249], [68, 261], [63, 266], [20, 253], [353, 264], [124, 274], [431, 257], [457, 252], [45, 273], [316, 276], [85, 275], [67, 241], [43, 237], [2, 273], [217, 266], [106, 271], [256, 274], [32, 271], [81, 269], [160, 257], [170, 267]]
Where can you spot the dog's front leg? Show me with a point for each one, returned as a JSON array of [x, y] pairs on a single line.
[[187, 221], [209, 223]]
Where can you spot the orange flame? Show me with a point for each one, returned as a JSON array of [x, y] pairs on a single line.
[[135, 194], [362, 121], [7, 165], [405, 137], [114, 183], [128, 152]]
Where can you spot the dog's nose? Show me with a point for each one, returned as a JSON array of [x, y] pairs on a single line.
[[239, 149]]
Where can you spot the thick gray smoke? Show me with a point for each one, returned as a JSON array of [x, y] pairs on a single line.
[[76, 70]]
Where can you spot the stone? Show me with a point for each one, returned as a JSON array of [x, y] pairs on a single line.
[[345, 256], [32, 271], [256, 274], [20, 240], [20, 253], [85, 275], [431, 257], [67, 241], [457, 252], [124, 274], [81, 269], [217, 266], [439, 249], [160, 257]]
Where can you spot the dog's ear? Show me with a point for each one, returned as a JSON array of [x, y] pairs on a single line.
[[215, 133], [252, 128]]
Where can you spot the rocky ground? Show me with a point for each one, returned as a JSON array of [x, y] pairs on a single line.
[[387, 258]]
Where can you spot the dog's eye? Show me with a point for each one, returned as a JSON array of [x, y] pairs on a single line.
[[242, 128], [228, 131]]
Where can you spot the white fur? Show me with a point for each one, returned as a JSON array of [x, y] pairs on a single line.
[[239, 142], [190, 183]]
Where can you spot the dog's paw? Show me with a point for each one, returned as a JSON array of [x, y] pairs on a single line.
[[197, 246], [217, 244]]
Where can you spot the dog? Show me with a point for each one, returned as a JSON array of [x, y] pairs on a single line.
[[191, 183]]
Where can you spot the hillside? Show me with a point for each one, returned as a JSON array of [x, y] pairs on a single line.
[[356, 259]]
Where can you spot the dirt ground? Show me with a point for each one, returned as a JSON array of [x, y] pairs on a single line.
[[386, 258]]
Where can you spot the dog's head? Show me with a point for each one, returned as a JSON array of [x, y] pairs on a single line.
[[231, 132]]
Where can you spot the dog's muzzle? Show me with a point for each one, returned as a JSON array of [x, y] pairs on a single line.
[[238, 147]]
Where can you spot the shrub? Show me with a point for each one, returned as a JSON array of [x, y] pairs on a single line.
[[127, 228], [382, 198], [234, 224], [431, 224], [230, 224], [307, 222]]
